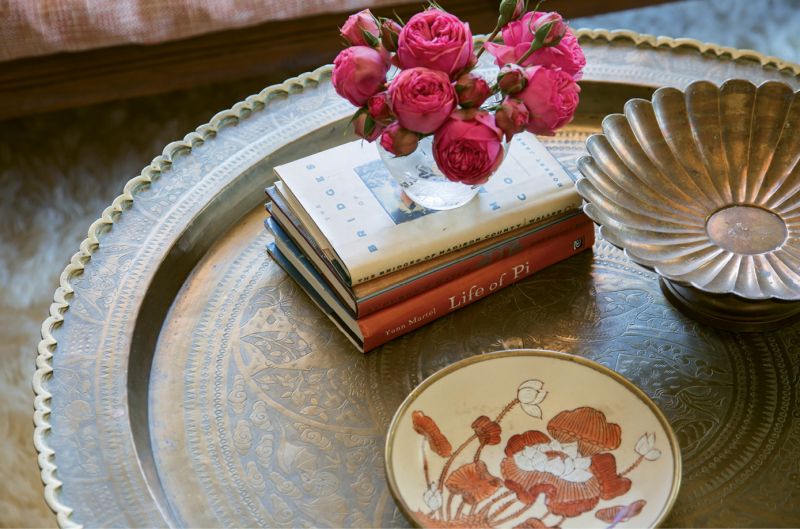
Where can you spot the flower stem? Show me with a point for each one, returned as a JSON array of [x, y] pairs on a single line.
[[449, 462], [535, 45], [449, 506], [507, 409], [511, 516], [490, 38], [425, 465], [460, 509], [499, 418], [501, 509], [633, 466], [494, 501], [478, 453]]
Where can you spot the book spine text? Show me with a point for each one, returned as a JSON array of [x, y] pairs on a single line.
[[406, 316], [465, 266]]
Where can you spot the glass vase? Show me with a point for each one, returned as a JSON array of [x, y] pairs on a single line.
[[422, 180]]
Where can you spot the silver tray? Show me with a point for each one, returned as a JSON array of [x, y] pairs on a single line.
[[183, 380]]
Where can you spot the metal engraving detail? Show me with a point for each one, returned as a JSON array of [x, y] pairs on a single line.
[[242, 406]]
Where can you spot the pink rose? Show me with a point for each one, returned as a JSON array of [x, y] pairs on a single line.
[[517, 39], [472, 90], [511, 10], [437, 40], [511, 78], [390, 33], [512, 117], [551, 98], [379, 108], [519, 9], [365, 127], [399, 141], [358, 73], [422, 99], [468, 147], [550, 28], [361, 29]]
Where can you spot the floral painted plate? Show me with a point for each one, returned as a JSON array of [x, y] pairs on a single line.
[[531, 439]]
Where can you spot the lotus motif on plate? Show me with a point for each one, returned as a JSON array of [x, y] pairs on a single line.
[[558, 469]]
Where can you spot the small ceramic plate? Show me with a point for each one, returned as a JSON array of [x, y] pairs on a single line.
[[531, 439]]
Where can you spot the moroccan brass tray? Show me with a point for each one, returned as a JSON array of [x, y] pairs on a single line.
[[184, 380]]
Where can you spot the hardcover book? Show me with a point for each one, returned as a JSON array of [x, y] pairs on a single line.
[[391, 322], [375, 294], [361, 221]]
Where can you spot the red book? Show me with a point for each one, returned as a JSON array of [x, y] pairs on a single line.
[[377, 294], [392, 322]]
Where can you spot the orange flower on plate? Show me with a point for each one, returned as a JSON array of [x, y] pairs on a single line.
[[572, 469], [604, 466], [487, 430], [427, 427], [588, 427], [473, 482], [519, 441], [536, 465]]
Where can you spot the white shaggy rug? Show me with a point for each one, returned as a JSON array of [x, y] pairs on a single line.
[[59, 170]]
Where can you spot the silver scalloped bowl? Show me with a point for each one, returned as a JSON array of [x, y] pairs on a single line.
[[703, 187]]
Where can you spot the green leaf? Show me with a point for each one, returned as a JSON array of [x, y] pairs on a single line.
[[369, 125], [371, 39]]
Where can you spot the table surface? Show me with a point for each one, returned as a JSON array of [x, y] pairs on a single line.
[[183, 379]]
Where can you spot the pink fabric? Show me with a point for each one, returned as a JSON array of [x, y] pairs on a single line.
[[38, 27]]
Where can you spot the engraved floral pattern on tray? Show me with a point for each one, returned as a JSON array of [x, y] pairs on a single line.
[[545, 478]]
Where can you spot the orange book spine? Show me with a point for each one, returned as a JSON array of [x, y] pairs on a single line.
[[397, 320], [465, 266]]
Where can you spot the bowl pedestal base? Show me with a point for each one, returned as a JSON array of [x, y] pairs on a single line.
[[730, 312]]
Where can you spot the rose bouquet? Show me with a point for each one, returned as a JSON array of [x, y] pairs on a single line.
[[436, 96]]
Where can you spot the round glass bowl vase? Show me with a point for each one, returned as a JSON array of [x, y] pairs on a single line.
[[420, 178], [703, 187]]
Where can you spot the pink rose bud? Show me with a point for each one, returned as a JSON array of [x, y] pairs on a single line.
[[422, 99], [551, 98], [361, 29], [399, 141], [519, 9], [437, 40], [517, 39], [358, 73], [510, 10], [549, 29], [472, 91], [379, 108], [512, 117], [390, 32], [365, 127], [511, 78], [468, 148]]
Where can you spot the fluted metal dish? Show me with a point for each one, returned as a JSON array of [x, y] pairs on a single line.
[[703, 186]]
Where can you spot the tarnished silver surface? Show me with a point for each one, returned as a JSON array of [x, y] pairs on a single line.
[[702, 187], [184, 380]]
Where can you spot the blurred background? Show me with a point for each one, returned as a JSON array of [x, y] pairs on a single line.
[[90, 92]]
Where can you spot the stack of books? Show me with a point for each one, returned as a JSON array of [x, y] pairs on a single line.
[[380, 266]]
